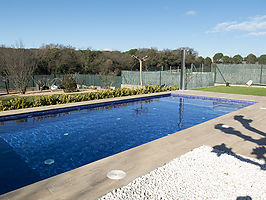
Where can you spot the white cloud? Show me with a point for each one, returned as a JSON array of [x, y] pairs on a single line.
[[257, 33], [252, 25], [108, 49], [222, 26], [191, 12]]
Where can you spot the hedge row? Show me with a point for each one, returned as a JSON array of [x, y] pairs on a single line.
[[29, 102]]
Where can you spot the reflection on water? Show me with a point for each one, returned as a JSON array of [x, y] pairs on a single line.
[[221, 106], [181, 112], [139, 110], [22, 120], [142, 109], [39, 118]]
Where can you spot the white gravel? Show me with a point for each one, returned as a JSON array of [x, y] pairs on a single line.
[[199, 174]]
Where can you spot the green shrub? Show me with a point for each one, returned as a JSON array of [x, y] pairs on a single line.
[[69, 84], [1, 105], [28, 102]]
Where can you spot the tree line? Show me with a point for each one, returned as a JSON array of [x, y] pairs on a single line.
[[238, 59], [59, 59], [18, 64]]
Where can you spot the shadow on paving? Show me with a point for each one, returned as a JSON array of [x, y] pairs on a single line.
[[258, 151]]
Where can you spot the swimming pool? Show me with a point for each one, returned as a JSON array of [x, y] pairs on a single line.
[[78, 137]]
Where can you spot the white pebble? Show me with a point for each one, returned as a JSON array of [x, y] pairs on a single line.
[[199, 174]]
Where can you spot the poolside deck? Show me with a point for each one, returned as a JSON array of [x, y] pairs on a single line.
[[246, 136]]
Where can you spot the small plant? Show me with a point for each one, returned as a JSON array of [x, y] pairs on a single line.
[[69, 84], [1, 105]]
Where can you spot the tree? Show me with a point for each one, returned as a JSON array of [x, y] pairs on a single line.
[[207, 61], [191, 55], [91, 60], [141, 60], [132, 51], [200, 60], [107, 74], [3, 73], [227, 60], [20, 65], [251, 59], [218, 58], [58, 59], [237, 59], [262, 59], [155, 61]]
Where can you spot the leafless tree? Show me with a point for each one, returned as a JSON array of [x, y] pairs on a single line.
[[141, 60], [19, 66], [3, 74]]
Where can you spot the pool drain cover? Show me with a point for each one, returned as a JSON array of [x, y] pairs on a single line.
[[49, 161], [116, 174]]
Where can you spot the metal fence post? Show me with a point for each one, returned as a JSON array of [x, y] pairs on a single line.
[[261, 74], [33, 85], [214, 66], [160, 78], [183, 68]]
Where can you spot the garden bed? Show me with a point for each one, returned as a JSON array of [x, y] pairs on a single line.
[[13, 103]]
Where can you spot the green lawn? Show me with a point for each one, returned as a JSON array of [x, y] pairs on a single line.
[[236, 90]]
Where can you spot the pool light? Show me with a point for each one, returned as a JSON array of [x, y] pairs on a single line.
[[49, 162], [116, 174]]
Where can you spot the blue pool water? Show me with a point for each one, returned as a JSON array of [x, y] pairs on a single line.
[[76, 138]]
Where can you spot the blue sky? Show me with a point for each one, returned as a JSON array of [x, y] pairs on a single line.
[[208, 26]]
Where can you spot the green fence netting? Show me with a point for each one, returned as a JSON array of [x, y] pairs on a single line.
[[240, 73], [82, 79], [150, 78], [198, 79], [98, 80], [193, 79]]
